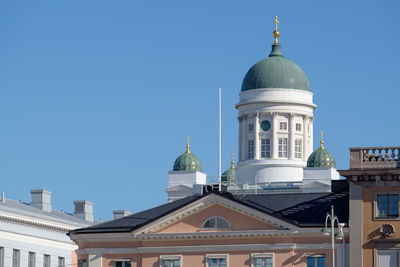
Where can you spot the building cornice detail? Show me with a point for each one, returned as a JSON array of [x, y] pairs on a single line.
[[206, 248], [36, 222]]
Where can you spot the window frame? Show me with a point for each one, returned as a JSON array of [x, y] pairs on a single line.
[[250, 153], [215, 217], [262, 255], [266, 151], [122, 260], [217, 256], [16, 261], [285, 124], [46, 256], [81, 262], [170, 257], [61, 262], [298, 148], [250, 127], [377, 216], [30, 263], [298, 127], [281, 151], [316, 256], [1, 256]]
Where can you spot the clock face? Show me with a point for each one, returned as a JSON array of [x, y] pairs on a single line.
[[265, 125]]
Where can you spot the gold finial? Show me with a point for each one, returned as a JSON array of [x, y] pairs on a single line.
[[322, 141], [233, 160], [187, 144], [276, 33]]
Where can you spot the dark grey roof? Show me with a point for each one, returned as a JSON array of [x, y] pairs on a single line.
[[26, 209], [302, 209], [134, 221]]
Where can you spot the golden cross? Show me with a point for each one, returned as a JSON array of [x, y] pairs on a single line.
[[322, 141], [276, 23], [187, 143]]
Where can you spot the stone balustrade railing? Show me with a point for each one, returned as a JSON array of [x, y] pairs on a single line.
[[374, 157]]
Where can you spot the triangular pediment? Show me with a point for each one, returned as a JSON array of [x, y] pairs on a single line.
[[190, 218]]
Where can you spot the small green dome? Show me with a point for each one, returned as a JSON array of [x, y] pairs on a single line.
[[187, 161], [275, 71], [229, 176], [321, 158]]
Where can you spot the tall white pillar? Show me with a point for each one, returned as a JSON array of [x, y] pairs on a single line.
[[240, 139], [256, 137], [311, 136], [306, 140], [292, 129], [274, 140], [244, 137]]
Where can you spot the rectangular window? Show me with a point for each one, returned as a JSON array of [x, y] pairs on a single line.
[[251, 127], [265, 148], [388, 258], [251, 149], [316, 261], [262, 260], [82, 263], [298, 127], [61, 262], [282, 147], [297, 148], [16, 258], [283, 126], [217, 261], [1, 257], [31, 259], [170, 261], [46, 260], [122, 263], [388, 205]]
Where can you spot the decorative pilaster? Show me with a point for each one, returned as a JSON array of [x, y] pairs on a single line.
[[244, 138], [240, 138], [306, 140], [292, 129], [274, 140], [256, 137], [310, 136]]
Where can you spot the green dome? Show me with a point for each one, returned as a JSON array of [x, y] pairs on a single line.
[[321, 158], [275, 71], [229, 176], [187, 162]]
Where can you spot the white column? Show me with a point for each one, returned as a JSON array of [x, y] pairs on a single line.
[[94, 260], [244, 137], [292, 129], [274, 140], [240, 139], [256, 137], [306, 140], [311, 136]]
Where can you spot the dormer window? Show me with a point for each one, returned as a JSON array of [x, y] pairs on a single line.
[[216, 223]]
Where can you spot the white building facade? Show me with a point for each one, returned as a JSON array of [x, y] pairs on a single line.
[[34, 235]]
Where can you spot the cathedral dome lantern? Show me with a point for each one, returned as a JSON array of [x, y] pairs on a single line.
[[321, 157], [187, 161]]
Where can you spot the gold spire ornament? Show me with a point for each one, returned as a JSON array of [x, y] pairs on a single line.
[[276, 33], [187, 144], [321, 143], [233, 160]]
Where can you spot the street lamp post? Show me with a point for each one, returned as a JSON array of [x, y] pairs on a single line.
[[339, 235]]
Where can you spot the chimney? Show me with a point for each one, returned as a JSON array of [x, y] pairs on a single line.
[[121, 213], [41, 199], [83, 209]]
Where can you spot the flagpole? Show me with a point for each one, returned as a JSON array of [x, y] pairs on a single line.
[[219, 138]]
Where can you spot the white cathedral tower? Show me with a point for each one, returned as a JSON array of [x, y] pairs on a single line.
[[275, 120]]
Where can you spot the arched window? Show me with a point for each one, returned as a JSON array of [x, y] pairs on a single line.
[[216, 223]]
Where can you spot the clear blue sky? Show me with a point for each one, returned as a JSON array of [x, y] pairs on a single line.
[[96, 97]]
